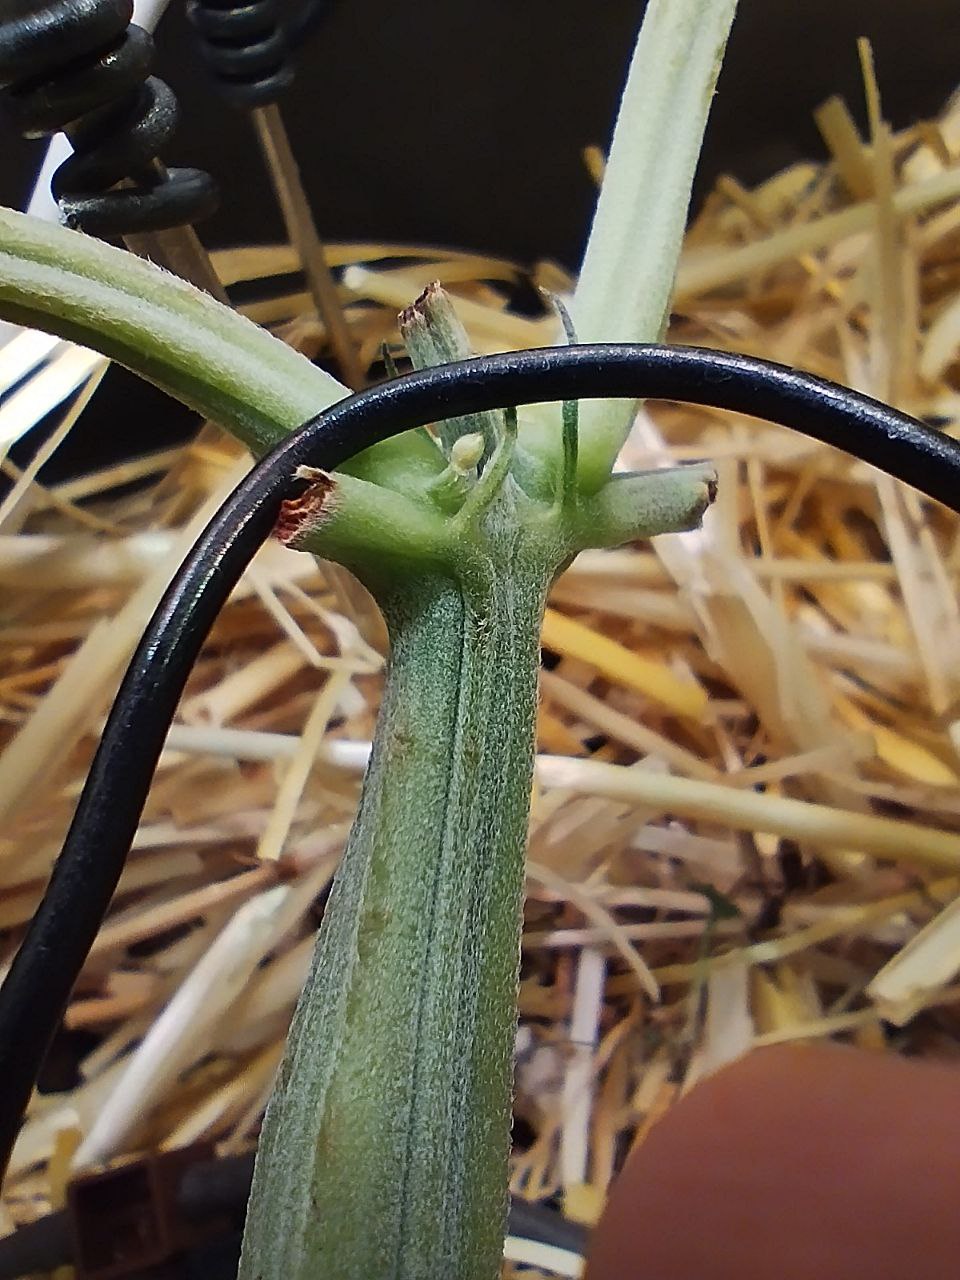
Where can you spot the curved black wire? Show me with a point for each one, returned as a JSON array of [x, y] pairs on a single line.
[[43, 972]]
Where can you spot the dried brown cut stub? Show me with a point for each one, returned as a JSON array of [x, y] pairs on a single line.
[[303, 515]]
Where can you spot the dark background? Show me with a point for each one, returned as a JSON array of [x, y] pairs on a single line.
[[462, 123]]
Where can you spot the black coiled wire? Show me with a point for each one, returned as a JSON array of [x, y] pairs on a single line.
[[37, 987], [248, 46], [78, 66]]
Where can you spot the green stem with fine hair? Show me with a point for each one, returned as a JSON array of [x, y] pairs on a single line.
[[176, 337], [384, 1150], [626, 279], [384, 1153]]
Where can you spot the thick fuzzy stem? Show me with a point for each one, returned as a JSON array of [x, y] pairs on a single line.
[[209, 357], [384, 1150]]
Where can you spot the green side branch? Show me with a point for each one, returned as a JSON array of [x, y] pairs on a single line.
[[175, 336], [213, 360], [626, 279]]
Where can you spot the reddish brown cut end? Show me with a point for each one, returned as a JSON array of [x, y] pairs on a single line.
[[301, 516]]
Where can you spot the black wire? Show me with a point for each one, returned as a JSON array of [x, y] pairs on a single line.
[[61, 933], [250, 45]]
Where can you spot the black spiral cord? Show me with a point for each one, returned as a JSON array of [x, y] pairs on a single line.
[[248, 46], [245, 46], [36, 990], [79, 67]]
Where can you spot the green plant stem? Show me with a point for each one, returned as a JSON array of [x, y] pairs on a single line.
[[211, 358], [626, 280], [384, 1150], [363, 525], [215, 361], [642, 504]]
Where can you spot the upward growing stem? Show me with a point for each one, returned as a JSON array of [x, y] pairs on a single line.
[[623, 292]]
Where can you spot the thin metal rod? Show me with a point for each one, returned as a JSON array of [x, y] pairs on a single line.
[[301, 228]]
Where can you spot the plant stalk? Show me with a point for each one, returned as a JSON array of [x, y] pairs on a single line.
[[384, 1150], [398, 1066], [626, 279]]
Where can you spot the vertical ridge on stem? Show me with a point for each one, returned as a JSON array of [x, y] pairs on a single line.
[[420, 948]]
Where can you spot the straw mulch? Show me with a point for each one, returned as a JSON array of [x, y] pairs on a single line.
[[746, 819]]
